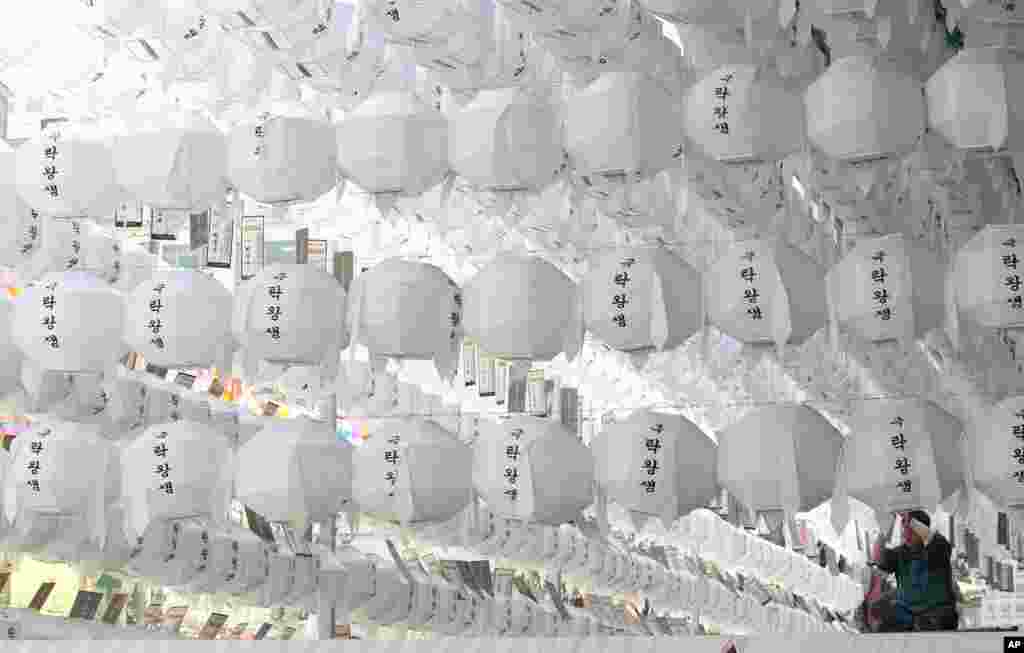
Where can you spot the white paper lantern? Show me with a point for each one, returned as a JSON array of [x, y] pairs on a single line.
[[295, 469], [985, 282], [641, 298], [744, 113], [902, 455], [972, 100], [69, 322], [283, 159], [412, 470], [173, 164], [865, 108], [779, 458], [59, 468], [506, 140], [407, 310], [532, 469], [623, 123], [179, 319], [291, 315], [763, 292], [523, 308], [657, 464], [65, 174], [888, 288], [176, 470], [393, 143], [997, 454]]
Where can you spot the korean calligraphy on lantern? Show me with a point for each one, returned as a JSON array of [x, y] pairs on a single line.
[[259, 133], [879, 291], [899, 441], [720, 109], [155, 324], [31, 234], [273, 309], [513, 452], [161, 468], [620, 298], [1012, 279], [76, 245], [751, 294], [652, 449], [49, 321], [1017, 430], [51, 169], [36, 447], [392, 457], [252, 245]]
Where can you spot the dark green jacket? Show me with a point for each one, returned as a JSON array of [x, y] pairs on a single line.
[[924, 576]]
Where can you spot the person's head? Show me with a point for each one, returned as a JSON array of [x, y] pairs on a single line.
[[909, 536]]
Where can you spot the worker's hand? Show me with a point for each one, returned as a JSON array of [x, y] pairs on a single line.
[[920, 529]]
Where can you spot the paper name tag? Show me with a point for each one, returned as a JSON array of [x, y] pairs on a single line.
[[86, 605]]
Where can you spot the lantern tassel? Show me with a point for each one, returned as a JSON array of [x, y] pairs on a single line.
[[952, 308], [840, 508], [601, 510]]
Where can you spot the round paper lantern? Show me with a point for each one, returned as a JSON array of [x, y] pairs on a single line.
[[393, 143], [713, 12], [740, 114], [766, 292], [532, 469], [865, 108], [902, 455], [59, 468], [179, 318], [406, 310], [984, 283], [295, 470], [64, 174], [411, 470], [888, 288], [642, 298], [291, 315], [779, 457], [282, 159], [657, 464], [623, 123], [523, 308], [505, 140], [69, 322], [176, 470], [173, 163], [997, 454], [972, 100]]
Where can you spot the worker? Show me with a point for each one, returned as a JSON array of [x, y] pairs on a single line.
[[926, 594]]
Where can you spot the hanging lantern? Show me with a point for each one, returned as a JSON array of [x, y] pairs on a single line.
[[407, 310], [65, 174], [780, 457], [902, 455], [972, 100], [532, 469], [291, 315], [179, 319], [642, 298], [764, 292], [295, 470], [59, 468], [888, 288], [69, 322], [864, 108], [505, 140], [523, 308], [173, 164], [393, 143], [740, 114], [411, 471], [280, 159], [623, 123], [176, 470], [997, 461], [657, 464], [984, 284]]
